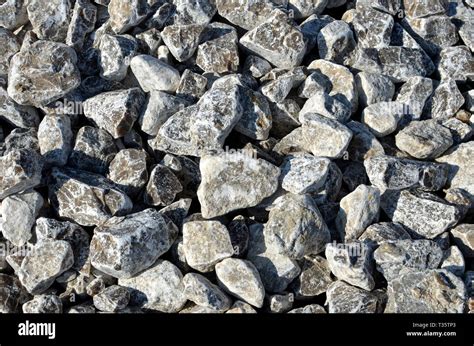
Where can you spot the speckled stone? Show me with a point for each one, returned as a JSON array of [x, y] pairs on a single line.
[[204, 293]]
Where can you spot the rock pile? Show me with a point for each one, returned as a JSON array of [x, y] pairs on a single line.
[[214, 156]]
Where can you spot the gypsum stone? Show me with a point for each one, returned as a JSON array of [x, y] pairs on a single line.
[[314, 83], [125, 246], [328, 106], [309, 309], [128, 170], [311, 27], [112, 299], [382, 118], [395, 258], [18, 213], [358, 210], [430, 291], [344, 298], [162, 187], [413, 94], [453, 261], [388, 6], [460, 131], [153, 74], [55, 139], [82, 22], [373, 28], [44, 263], [15, 114], [374, 88], [191, 85], [9, 47], [336, 41], [13, 14], [420, 9], [86, 198], [401, 38], [115, 53], [433, 215], [125, 14], [456, 63], [387, 172], [278, 89], [284, 117], [424, 139], [245, 13], [115, 111], [363, 144], [188, 175], [12, 294], [239, 236], [194, 12], [446, 100], [150, 40], [305, 8], [353, 175], [240, 307], [205, 243], [256, 66], [95, 286], [379, 233], [182, 40], [43, 304], [240, 278], [332, 187], [463, 236], [314, 279], [50, 20], [159, 288], [256, 120], [462, 199], [42, 73], [280, 303], [192, 308], [22, 139], [93, 151], [204, 293]]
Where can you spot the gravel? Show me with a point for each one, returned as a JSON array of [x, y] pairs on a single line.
[[214, 156]]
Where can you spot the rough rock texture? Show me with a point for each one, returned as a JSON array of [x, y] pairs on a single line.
[[344, 298], [204, 293]]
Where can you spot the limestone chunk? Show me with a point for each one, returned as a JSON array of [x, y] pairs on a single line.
[[204, 293], [55, 139], [162, 187], [50, 20]]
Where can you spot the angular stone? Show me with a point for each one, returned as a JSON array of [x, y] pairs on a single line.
[[284, 117], [55, 139], [379, 233], [374, 88], [240, 278], [206, 243], [373, 28], [83, 19], [240, 307], [93, 151], [159, 288], [358, 210], [150, 40], [461, 171], [153, 74], [246, 14], [256, 120], [12, 294], [431, 291], [460, 131], [363, 144], [395, 258], [315, 83], [311, 28], [446, 100], [191, 85], [414, 94], [194, 12], [182, 40], [20, 170], [18, 213], [20, 139], [463, 236], [424, 139], [276, 41], [201, 291], [115, 111], [296, 226], [125, 246], [13, 14], [456, 63], [388, 6], [112, 299], [247, 182], [336, 41], [44, 263], [115, 54], [278, 89], [323, 136], [303, 173], [280, 303], [10, 46], [314, 279], [50, 20], [162, 187], [453, 261], [309, 309], [387, 172], [43, 304], [256, 66], [351, 262], [305, 8], [330, 107], [420, 9], [344, 298], [382, 118], [128, 170], [125, 14], [15, 114], [433, 215], [42, 73], [86, 198]]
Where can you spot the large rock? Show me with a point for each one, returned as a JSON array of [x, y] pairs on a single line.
[[344, 298]]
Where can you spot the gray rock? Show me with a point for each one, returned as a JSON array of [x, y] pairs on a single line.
[[44, 263], [453, 261], [12, 294], [204, 293], [18, 213], [433, 215], [328, 106], [387, 172], [336, 41], [284, 117], [277, 90], [388, 6], [414, 94], [256, 66], [417, 9], [446, 100], [296, 226], [309, 309], [280, 303], [382, 118], [374, 88], [256, 120], [115, 54], [456, 63], [323, 136], [395, 258], [312, 26], [82, 22], [10, 46], [42, 73], [182, 40], [363, 144], [159, 288], [206, 243], [86, 198], [150, 39], [55, 139], [240, 278], [424, 139], [352, 263], [112, 299], [247, 181], [43, 304], [270, 40], [162, 187], [20, 170], [373, 28], [13, 14], [358, 210], [246, 14], [191, 85], [240, 307], [379, 233], [463, 236], [344, 298], [303, 173], [93, 151], [115, 111], [154, 75], [315, 83], [50, 20], [125, 14], [194, 12], [20, 139], [314, 279], [431, 291], [460, 131], [15, 114], [125, 246]]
